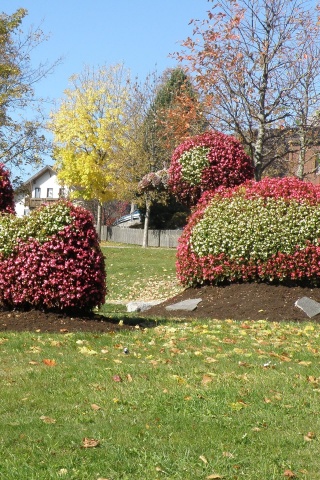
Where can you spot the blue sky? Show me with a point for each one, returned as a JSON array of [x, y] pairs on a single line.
[[138, 33]]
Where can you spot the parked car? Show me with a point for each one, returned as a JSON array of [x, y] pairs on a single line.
[[135, 216]]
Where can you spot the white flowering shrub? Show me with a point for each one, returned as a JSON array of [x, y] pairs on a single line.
[[266, 231], [193, 163], [254, 228]]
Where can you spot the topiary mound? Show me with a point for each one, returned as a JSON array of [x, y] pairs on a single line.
[[204, 163], [6, 191], [51, 259], [262, 231]]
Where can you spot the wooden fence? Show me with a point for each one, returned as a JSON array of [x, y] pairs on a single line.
[[156, 238]]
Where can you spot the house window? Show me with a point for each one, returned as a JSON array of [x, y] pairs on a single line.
[[37, 192], [49, 192], [61, 192]]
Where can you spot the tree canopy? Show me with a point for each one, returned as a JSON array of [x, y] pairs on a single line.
[[21, 127], [243, 57], [90, 130], [174, 114]]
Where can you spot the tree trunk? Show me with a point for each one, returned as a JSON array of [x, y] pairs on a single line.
[[258, 152], [146, 223], [99, 224], [302, 157]]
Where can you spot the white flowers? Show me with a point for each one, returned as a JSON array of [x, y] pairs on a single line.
[[193, 162], [255, 228]]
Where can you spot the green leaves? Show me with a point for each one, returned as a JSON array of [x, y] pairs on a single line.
[[43, 223], [255, 229]]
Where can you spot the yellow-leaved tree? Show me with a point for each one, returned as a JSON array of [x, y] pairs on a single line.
[[90, 132]]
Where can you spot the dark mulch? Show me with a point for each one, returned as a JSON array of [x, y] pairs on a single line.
[[56, 322], [247, 301]]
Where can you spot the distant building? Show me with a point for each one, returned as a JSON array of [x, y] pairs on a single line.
[[43, 187]]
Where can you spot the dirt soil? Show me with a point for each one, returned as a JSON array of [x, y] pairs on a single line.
[[248, 301]]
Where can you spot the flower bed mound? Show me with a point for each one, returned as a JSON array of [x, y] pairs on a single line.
[[51, 260], [258, 231], [206, 162]]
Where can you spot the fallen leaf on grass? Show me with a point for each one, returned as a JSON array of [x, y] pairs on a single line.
[[227, 454], [313, 380], [289, 473], [90, 443], [87, 351], [117, 378], [214, 476], [47, 419], [158, 469], [206, 379], [62, 472], [203, 459], [305, 364], [239, 405], [211, 360], [243, 364], [94, 406], [310, 436], [129, 378], [49, 362], [33, 363]]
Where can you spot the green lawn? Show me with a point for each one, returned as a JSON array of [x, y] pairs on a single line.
[[136, 273], [191, 400]]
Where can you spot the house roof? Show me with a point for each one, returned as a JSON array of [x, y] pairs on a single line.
[[38, 174]]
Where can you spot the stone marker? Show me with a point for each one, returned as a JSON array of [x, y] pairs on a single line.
[[141, 306], [309, 306], [188, 305]]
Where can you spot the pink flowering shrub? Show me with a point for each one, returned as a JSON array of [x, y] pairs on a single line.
[[258, 231], [6, 191], [154, 181], [205, 162], [59, 265]]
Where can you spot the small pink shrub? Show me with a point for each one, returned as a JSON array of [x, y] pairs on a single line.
[[6, 191], [204, 163], [65, 271], [291, 256]]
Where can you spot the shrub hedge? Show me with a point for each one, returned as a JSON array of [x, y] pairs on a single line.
[[266, 231], [6, 191], [51, 259], [206, 162]]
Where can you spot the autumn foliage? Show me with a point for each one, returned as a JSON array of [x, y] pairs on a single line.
[[51, 259], [206, 162], [258, 231]]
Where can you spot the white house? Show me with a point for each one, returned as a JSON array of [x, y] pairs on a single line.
[[43, 187]]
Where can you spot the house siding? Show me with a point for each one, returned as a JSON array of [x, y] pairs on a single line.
[[42, 187]]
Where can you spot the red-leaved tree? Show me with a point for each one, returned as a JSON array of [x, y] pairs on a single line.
[[6, 191]]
